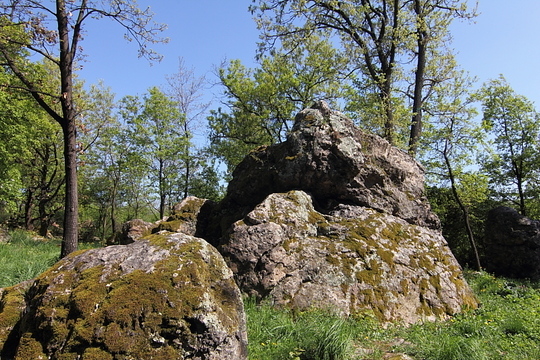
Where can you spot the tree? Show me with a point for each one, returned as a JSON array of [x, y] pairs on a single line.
[[262, 102], [157, 132], [514, 125], [187, 90], [30, 155], [54, 30], [378, 36], [452, 139]]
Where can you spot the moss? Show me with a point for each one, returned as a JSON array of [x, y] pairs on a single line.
[[12, 303], [334, 260], [96, 354], [85, 312], [404, 286], [29, 348]]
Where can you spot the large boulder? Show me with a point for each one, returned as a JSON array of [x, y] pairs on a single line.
[[337, 218], [512, 244], [353, 259], [167, 296], [337, 163]]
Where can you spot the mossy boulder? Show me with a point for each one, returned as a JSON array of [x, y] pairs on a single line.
[[352, 260], [166, 296]]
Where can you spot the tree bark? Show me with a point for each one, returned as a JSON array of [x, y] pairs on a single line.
[[464, 210], [422, 38], [71, 210]]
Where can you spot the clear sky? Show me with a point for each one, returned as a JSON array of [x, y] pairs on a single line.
[[504, 39]]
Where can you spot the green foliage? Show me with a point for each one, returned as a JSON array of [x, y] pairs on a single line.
[[381, 39], [514, 126], [284, 334], [262, 102]]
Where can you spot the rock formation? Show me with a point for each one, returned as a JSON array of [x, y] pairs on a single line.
[[167, 296], [336, 218], [133, 230], [332, 218], [337, 163], [512, 244]]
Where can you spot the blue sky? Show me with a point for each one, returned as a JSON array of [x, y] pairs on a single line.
[[504, 39]]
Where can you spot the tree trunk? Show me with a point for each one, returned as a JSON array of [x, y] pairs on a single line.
[[71, 214], [162, 191], [71, 211], [28, 206], [464, 210], [422, 38]]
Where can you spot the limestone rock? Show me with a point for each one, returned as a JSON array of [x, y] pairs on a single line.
[[353, 259], [133, 230], [337, 163], [167, 296], [189, 216], [512, 244]]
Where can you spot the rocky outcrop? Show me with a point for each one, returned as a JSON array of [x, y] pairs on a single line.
[[353, 259], [336, 163], [512, 244], [337, 218], [167, 296]]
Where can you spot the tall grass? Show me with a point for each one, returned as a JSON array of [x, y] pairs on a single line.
[[24, 257], [506, 326]]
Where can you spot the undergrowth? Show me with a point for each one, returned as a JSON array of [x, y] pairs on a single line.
[[505, 326]]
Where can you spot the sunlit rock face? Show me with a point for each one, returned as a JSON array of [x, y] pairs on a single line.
[[165, 296], [337, 218]]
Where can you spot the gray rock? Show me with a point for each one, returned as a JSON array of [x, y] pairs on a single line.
[[512, 244], [353, 260], [167, 296], [133, 230], [337, 163], [188, 216]]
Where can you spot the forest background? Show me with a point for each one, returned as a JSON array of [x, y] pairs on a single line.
[[149, 136]]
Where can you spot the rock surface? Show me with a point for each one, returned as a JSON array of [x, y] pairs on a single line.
[[133, 230], [167, 296], [337, 218], [353, 260], [190, 216], [512, 244], [337, 163]]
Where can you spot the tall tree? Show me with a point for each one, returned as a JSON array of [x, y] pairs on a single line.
[[514, 125], [449, 152], [261, 103], [157, 131], [54, 29], [377, 35], [187, 90]]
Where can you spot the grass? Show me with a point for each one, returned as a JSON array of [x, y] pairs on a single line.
[[24, 256], [506, 326]]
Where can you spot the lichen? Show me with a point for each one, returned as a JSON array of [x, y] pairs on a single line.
[[121, 314]]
